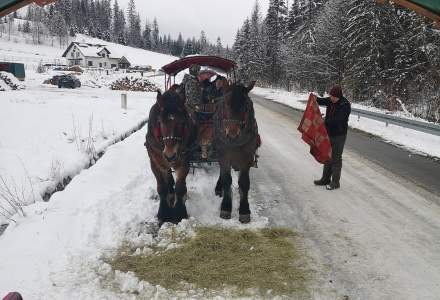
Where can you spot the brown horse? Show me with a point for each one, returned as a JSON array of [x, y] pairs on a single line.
[[236, 140], [169, 138]]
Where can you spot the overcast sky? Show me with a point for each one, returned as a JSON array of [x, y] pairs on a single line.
[[216, 17]]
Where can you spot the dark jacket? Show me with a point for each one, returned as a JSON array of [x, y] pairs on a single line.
[[336, 115]]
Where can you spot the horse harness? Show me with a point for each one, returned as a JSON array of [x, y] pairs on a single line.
[[160, 139]]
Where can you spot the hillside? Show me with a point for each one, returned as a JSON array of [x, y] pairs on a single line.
[[19, 47]]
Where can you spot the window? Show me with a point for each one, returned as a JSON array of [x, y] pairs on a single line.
[[100, 65], [77, 54], [113, 65], [72, 54], [105, 64], [90, 63]]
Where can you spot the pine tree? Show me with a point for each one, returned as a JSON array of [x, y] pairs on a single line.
[[155, 36], [134, 25], [256, 45], [64, 8], [365, 50], [244, 52], [188, 48], [106, 19], [146, 36], [178, 46], [219, 47], [118, 24], [203, 42], [275, 26], [326, 57], [415, 78], [26, 27]]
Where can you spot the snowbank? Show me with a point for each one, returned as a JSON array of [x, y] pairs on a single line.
[[9, 82]]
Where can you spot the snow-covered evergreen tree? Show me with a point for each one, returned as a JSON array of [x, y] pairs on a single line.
[[155, 35], [256, 45], [134, 26], [276, 30], [368, 50], [188, 49], [146, 36]]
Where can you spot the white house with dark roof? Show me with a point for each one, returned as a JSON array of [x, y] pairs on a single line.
[[93, 56]]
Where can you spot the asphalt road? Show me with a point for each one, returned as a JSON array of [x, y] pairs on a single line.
[[378, 237], [420, 170]]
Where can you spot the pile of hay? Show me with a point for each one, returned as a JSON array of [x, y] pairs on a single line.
[[138, 84], [267, 261]]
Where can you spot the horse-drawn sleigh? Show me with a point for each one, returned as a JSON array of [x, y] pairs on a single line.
[[183, 132]]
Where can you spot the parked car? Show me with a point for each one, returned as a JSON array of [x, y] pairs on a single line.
[[68, 81]]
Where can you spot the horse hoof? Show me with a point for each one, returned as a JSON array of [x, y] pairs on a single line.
[[225, 214], [244, 218]]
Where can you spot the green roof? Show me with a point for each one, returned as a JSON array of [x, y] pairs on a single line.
[[431, 5]]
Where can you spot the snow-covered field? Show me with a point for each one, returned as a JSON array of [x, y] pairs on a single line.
[[415, 141], [48, 134]]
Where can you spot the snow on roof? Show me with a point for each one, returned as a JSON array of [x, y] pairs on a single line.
[[89, 50], [136, 56], [92, 50]]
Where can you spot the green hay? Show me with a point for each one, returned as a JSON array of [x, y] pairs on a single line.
[[267, 260]]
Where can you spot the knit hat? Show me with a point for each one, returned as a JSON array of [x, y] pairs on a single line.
[[336, 91], [13, 296]]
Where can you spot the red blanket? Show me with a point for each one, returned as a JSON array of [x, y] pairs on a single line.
[[314, 133]]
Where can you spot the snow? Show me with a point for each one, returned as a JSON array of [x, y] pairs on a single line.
[[375, 238], [90, 50], [99, 210], [413, 140], [48, 133], [58, 250]]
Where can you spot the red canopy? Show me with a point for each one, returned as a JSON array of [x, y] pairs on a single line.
[[201, 60]]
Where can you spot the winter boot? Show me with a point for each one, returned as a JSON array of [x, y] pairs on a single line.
[[326, 174], [332, 186]]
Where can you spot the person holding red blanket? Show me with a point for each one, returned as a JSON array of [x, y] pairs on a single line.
[[336, 123]]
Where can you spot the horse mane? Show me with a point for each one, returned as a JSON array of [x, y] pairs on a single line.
[[238, 98], [171, 103]]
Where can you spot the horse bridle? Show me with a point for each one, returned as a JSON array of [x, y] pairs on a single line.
[[242, 123], [159, 137]]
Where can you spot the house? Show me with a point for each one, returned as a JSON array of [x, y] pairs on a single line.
[[93, 56]]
